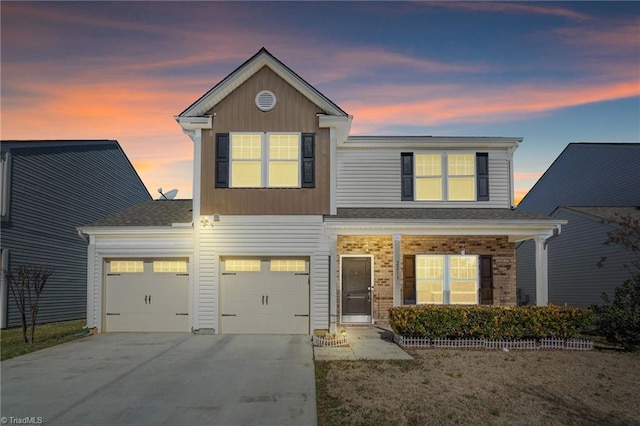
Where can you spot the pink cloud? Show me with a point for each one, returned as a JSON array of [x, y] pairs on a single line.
[[505, 7], [527, 175], [481, 104]]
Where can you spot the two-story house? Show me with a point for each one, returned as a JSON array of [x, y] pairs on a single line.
[[296, 226]]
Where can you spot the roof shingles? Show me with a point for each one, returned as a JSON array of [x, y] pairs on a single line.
[[150, 213]]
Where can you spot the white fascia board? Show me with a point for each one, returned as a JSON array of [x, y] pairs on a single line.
[[129, 231], [242, 74], [516, 231], [243, 219], [430, 142], [195, 122], [341, 124]]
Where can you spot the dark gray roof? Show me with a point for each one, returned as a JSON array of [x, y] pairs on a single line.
[[150, 213], [434, 214], [609, 213], [588, 174]]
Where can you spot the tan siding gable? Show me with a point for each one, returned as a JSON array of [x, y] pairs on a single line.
[[238, 113]]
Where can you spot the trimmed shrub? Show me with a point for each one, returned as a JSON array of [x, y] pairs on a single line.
[[489, 322], [619, 321]]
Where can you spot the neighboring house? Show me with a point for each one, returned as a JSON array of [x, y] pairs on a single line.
[[589, 185], [48, 189], [296, 226]]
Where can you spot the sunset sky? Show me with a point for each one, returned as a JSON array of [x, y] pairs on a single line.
[[551, 72]]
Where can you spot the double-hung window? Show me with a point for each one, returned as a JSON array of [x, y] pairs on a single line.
[[444, 176], [265, 160], [446, 279]]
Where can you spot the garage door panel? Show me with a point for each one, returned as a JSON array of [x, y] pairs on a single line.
[[267, 323], [241, 303], [264, 302], [147, 301], [147, 322]]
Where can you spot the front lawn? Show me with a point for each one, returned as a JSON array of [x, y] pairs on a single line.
[[482, 387], [46, 335]]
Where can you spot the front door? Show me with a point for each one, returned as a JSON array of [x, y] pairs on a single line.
[[356, 289]]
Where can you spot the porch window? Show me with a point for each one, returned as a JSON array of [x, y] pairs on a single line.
[[446, 279]]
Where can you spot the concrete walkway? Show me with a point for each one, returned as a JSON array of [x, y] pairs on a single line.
[[364, 343], [164, 379]]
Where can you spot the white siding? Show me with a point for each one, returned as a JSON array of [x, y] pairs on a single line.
[[263, 236], [371, 178], [129, 244]]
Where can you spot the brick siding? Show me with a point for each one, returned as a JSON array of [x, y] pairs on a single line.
[[381, 247]]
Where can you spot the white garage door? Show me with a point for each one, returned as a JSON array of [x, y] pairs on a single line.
[[265, 296], [147, 295]]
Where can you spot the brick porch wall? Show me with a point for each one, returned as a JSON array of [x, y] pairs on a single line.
[[502, 251], [381, 247]]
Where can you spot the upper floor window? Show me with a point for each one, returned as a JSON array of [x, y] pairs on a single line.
[[265, 160], [444, 177]]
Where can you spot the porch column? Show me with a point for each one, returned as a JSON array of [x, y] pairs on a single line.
[[542, 272], [333, 278], [397, 282]]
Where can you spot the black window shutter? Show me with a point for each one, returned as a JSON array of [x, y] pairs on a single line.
[[486, 281], [482, 175], [308, 166], [406, 159], [222, 160], [409, 279]]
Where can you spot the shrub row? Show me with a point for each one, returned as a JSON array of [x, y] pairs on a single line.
[[489, 322]]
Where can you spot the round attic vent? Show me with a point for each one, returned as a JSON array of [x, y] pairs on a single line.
[[265, 100]]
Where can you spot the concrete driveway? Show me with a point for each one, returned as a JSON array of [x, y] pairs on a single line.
[[164, 378]]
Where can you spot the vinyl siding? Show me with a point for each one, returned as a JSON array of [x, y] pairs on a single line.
[[526, 272], [128, 244], [588, 175], [574, 277], [54, 189], [371, 178], [269, 237], [293, 113]]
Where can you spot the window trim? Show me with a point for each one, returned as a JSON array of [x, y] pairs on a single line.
[[409, 178], [265, 161], [446, 278], [444, 175]]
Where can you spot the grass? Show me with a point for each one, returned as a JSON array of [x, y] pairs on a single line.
[[441, 387], [46, 335]]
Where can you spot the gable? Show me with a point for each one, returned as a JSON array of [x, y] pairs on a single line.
[[254, 64], [293, 111]]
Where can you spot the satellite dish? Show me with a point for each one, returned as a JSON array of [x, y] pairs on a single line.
[[169, 195]]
